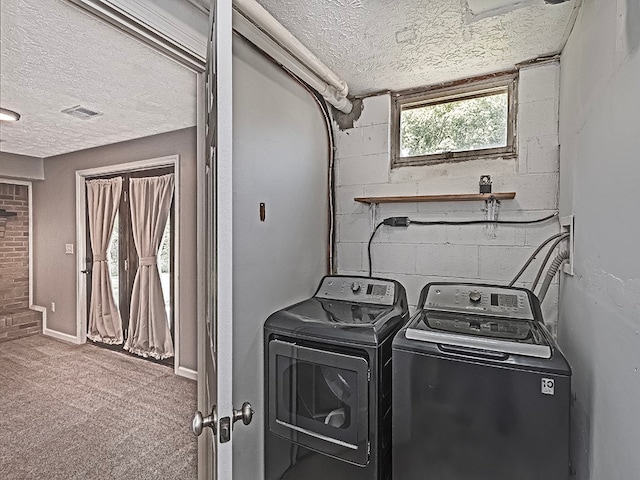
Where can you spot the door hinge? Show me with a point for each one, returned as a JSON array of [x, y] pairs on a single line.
[[369, 375], [126, 265], [368, 449], [125, 196]]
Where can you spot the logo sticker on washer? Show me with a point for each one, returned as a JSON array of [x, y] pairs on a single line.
[[548, 386]]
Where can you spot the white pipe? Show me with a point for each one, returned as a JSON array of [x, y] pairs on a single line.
[[263, 19], [251, 32]]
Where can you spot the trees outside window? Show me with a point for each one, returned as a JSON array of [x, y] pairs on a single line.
[[454, 124]]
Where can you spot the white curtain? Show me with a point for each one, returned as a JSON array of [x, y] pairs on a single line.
[[103, 198], [149, 333]]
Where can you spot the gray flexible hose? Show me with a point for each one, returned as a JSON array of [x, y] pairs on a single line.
[[533, 256], [553, 269], [546, 259]]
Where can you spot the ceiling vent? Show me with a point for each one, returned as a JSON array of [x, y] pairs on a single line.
[[83, 113]]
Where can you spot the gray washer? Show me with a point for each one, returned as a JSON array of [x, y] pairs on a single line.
[[480, 389]]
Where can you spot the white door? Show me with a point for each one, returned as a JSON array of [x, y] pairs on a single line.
[[215, 456]]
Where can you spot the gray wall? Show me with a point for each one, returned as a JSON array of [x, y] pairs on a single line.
[[599, 321], [280, 158], [21, 166], [54, 209]]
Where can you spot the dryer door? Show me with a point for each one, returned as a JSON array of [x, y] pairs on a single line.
[[319, 399]]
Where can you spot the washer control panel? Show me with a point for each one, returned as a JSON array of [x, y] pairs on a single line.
[[358, 290], [480, 299]]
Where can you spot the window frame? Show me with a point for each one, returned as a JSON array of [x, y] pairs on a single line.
[[462, 90]]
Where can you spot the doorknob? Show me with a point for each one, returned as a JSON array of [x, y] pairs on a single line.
[[245, 414], [200, 422]]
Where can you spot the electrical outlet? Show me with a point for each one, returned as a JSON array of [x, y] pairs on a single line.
[[567, 226], [53, 306], [68, 248]]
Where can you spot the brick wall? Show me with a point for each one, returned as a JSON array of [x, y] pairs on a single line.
[[417, 255], [14, 249]]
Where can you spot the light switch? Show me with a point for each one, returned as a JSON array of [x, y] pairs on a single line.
[[68, 248]]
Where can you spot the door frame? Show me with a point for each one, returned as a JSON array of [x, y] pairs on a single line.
[[202, 224], [81, 246], [172, 46], [145, 30], [215, 317]]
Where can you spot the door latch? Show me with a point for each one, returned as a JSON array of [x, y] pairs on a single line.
[[225, 429]]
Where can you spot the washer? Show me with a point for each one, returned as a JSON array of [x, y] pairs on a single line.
[[480, 389], [328, 381]]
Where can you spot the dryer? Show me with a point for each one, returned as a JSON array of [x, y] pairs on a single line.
[[481, 391], [328, 381]]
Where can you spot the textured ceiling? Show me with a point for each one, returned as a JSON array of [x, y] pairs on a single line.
[[54, 56], [399, 44]]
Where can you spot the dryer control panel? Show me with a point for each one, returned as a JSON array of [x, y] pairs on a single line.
[[479, 299], [358, 290]]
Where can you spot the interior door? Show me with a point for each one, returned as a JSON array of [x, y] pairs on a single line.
[[215, 324]]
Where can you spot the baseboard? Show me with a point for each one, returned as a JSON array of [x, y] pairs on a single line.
[[65, 337], [187, 373], [43, 312], [53, 333]]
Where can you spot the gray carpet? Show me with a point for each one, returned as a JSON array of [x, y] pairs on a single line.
[[83, 412]]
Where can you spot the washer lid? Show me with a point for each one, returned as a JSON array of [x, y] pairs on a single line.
[[496, 334], [353, 313], [484, 326], [366, 313]]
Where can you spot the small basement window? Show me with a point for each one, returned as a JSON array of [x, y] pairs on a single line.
[[459, 122]]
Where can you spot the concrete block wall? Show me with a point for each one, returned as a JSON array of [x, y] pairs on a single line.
[[419, 254]]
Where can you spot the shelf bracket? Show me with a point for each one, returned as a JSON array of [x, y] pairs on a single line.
[[373, 215]]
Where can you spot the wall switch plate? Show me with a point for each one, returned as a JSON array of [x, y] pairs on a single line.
[[53, 306], [68, 248], [567, 226]]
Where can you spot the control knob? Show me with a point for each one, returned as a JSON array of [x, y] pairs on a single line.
[[355, 287], [475, 296]]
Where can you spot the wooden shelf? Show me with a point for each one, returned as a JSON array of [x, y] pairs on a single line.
[[458, 197]]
